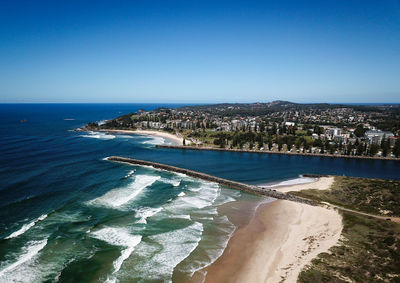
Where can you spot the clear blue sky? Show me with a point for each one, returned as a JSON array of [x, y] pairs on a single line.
[[200, 51]]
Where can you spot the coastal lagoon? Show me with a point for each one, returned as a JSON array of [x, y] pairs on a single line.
[[69, 215]]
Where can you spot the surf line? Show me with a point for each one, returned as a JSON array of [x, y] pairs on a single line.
[[229, 183]]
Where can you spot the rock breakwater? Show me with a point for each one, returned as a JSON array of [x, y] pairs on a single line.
[[229, 183]]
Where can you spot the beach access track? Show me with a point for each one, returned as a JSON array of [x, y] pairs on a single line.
[[232, 184]]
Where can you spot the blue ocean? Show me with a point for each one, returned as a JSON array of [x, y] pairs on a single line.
[[68, 215]]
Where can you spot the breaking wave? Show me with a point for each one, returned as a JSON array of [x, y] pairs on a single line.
[[155, 141], [118, 237], [98, 135], [9, 274], [173, 182], [26, 227], [146, 212], [172, 248], [121, 196]]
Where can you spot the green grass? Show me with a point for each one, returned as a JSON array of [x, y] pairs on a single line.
[[369, 252], [369, 249], [373, 196]]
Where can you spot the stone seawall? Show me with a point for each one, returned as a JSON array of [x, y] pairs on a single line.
[[232, 184], [275, 152]]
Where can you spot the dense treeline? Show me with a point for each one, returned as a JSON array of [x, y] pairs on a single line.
[[271, 140]]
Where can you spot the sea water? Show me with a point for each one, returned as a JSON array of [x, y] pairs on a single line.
[[67, 214]]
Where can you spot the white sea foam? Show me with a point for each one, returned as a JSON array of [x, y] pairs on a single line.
[[214, 247], [181, 175], [172, 247], [120, 196], [194, 199], [146, 212], [8, 273], [219, 246], [155, 141], [26, 227], [296, 181], [130, 173], [174, 182], [118, 237], [204, 196], [124, 136], [99, 135]]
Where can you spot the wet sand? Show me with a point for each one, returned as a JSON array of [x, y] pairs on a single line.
[[277, 243]]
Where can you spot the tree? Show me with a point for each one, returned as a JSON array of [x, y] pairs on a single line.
[[349, 149], [318, 130], [385, 146], [360, 149], [262, 127], [360, 131], [260, 141], [273, 130], [373, 149], [396, 148], [251, 145]]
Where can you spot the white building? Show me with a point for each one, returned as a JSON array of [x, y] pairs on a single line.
[[376, 137]]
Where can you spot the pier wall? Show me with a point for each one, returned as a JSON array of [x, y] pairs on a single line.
[[232, 184]]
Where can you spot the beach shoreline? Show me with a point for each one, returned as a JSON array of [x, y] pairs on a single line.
[[279, 241], [174, 138]]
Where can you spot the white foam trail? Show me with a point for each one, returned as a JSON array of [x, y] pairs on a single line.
[[130, 173], [147, 212], [172, 247], [119, 197], [99, 135], [181, 175], [194, 199], [220, 247], [118, 237], [173, 182], [214, 247], [155, 141], [205, 195], [125, 136], [30, 252], [26, 227]]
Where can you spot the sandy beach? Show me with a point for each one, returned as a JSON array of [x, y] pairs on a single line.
[[280, 240], [322, 183], [177, 140]]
